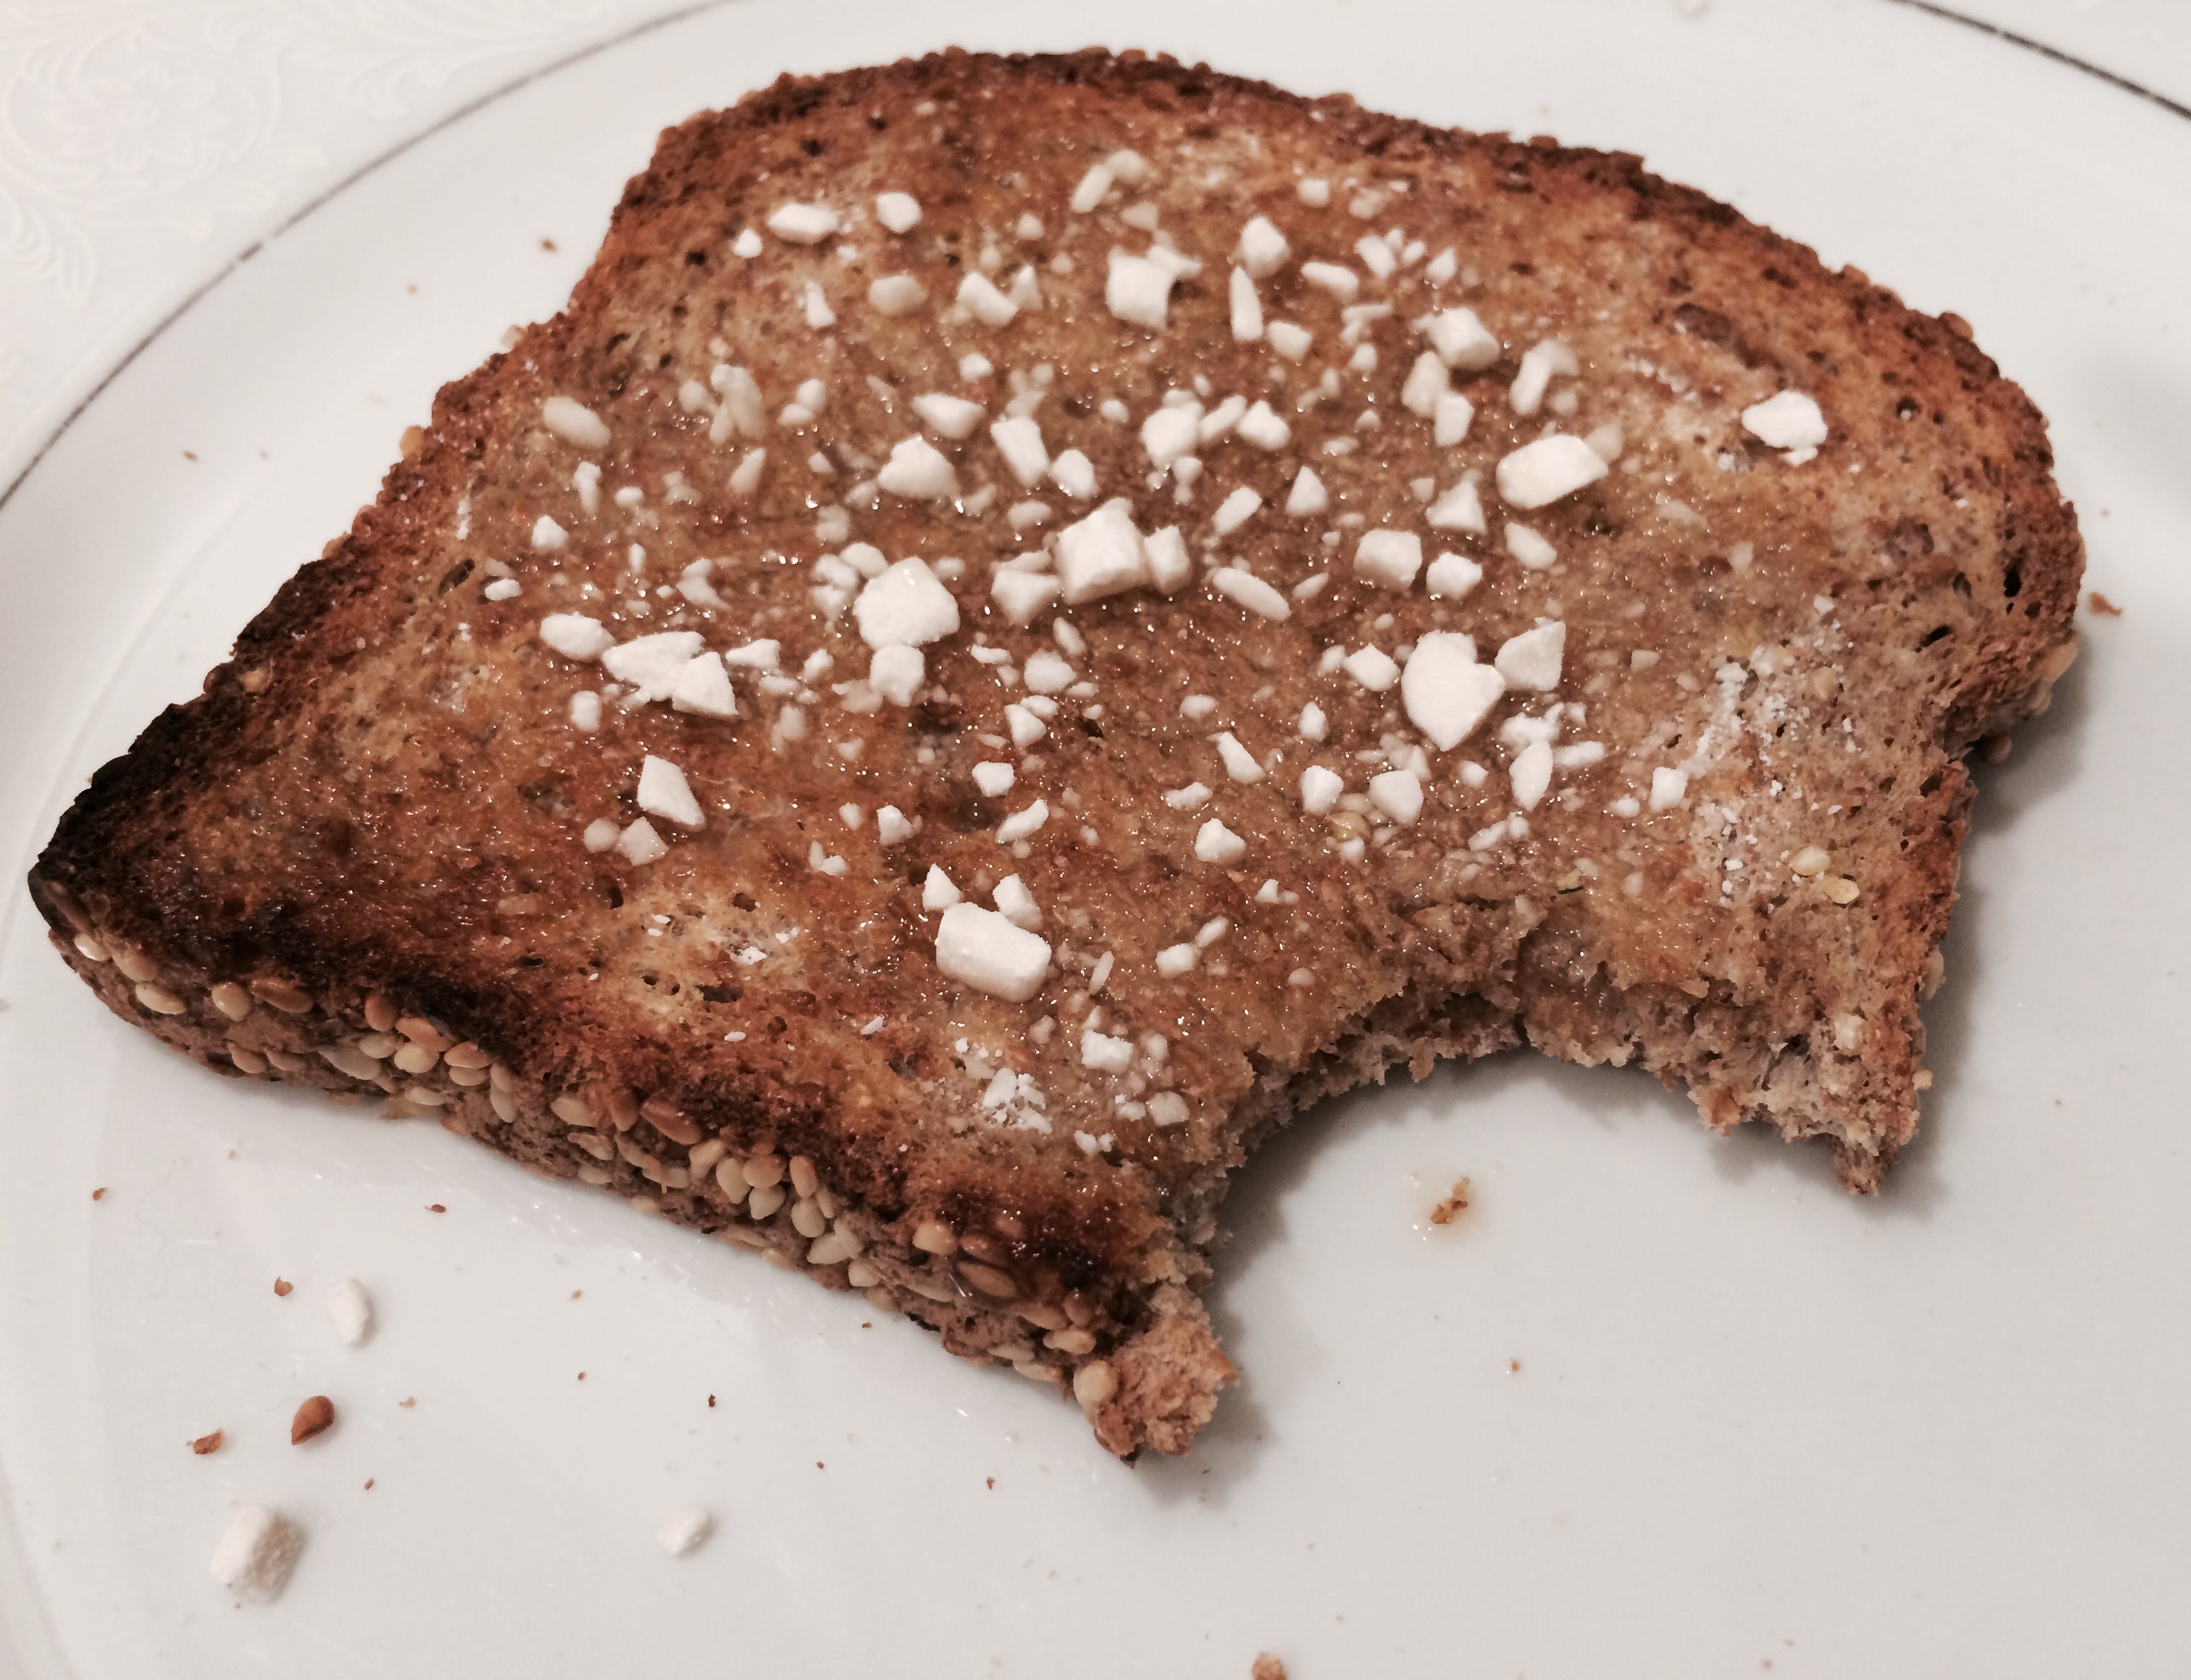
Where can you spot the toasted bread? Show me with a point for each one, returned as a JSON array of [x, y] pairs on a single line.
[[1571, 635]]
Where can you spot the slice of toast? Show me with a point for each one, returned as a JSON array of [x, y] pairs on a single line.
[[1033, 616]]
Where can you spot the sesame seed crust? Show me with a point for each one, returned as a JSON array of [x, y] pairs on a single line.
[[373, 814]]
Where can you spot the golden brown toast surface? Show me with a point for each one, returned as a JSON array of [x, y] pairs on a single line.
[[398, 842]]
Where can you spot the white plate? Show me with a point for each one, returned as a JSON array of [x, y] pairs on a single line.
[[1659, 1404]]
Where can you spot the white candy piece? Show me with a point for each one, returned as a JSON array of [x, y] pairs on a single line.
[[1529, 549], [896, 294], [1074, 474], [1193, 797], [1100, 554], [1460, 509], [1092, 189], [1104, 1053], [1308, 495], [574, 423], [758, 656], [1263, 249], [951, 417], [1533, 659], [1170, 432], [897, 672], [892, 826], [1389, 559], [1446, 693], [1045, 673], [685, 1527], [1525, 394], [640, 844], [1531, 773], [1174, 961], [979, 297], [547, 536], [257, 1552], [663, 792], [1247, 308], [1251, 591], [1214, 843], [982, 949], [576, 636], [1021, 596], [1289, 340], [1341, 281], [1373, 667], [1128, 168], [742, 409], [1426, 382], [1026, 727], [1452, 576], [1261, 427], [1320, 789], [693, 583], [1461, 339], [1668, 788], [651, 664], [919, 472], [1021, 823], [906, 606], [1170, 566], [1016, 904], [1539, 474], [899, 212], [802, 224], [1789, 420], [1235, 511], [1239, 763], [994, 777], [348, 1304], [1451, 419], [704, 688], [1138, 290], [1018, 439], [936, 892], [1398, 793]]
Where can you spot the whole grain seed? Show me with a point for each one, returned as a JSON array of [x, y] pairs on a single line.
[[284, 995], [981, 1278], [933, 1236], [763, 1169], [1094, 1384], [134, 963], [766, 1199]]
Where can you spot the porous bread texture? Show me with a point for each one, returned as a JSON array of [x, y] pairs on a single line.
[[359, 860]]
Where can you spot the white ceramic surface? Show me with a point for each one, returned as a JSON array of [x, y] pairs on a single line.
[[1659, 1405]]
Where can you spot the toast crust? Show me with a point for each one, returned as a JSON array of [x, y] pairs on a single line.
[[371, 815]]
